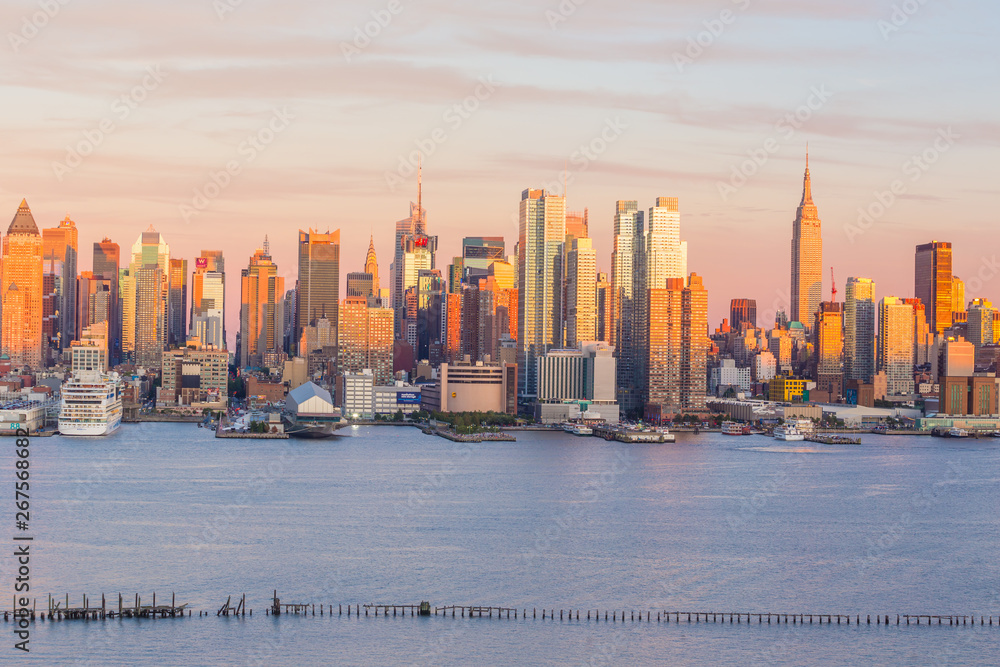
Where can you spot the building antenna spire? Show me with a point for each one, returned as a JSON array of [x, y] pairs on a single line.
[[420, 193], [267, 246]]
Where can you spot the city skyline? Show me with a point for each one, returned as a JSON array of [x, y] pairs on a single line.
[[680, 131]]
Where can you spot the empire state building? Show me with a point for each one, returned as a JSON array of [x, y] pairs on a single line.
[[807, 257]]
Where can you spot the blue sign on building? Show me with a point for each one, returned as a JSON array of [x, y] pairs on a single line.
[[408, 397]]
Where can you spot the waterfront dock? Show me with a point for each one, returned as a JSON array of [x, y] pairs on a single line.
[[619, 434]]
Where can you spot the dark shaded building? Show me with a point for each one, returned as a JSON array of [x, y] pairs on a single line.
[[743, 311]]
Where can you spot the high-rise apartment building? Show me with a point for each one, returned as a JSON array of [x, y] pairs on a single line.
[[21, 270], [828, 341], [414, 251], [208, 299], [628, 292], [577, 225], [933, 282], [581, 292], [107, 259], [261, 309], [859, 329], [677, 339], [60, 251], [541, 235], [807, 256], [666, 254], [318, 295], [980, 323], [895, 344]]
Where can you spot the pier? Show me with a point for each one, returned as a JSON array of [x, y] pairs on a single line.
[[60, 610]]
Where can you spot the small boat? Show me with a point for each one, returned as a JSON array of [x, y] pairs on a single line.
[[956, 432], [789, 434], [735, 428]]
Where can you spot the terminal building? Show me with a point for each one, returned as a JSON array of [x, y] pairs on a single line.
[[360, 398]]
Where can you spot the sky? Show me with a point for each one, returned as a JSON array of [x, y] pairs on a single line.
[[222, 121]]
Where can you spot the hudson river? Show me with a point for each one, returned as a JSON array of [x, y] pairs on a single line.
[[899, 525]]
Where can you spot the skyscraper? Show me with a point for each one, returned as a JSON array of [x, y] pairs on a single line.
[[694, 343], [319, 280], [107, 258], [146, 316], [981, 314], [21, 272], [743, 311], [261, 306], [666, 254], [807, 256], [365, 339], [414, 251], [958, 303], [828, 341], [371, 266], [933, 281], [859, 329], [628, 289], [208, 299], [177, 305], [581, 293], [541, 235], [60, 250], [603, 308], [895, 344]]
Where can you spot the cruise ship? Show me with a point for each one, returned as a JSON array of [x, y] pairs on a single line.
[[91, 404]]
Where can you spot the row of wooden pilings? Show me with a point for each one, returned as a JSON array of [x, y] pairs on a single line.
[[58, 613]]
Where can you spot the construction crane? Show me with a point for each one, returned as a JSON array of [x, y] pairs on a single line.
[[833, 282]]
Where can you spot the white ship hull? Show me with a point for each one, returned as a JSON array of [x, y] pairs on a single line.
[[97, 429], [91, 404]]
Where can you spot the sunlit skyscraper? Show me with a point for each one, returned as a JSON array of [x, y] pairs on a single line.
[[208, 299], [932, 282], [146, 286], [60, 251], [541, 235], [828, 342], [807, 256], [21, 272], [896, 344], [261, 309], [318, 294]]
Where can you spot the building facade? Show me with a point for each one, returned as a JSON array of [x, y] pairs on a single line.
[[933, 283]]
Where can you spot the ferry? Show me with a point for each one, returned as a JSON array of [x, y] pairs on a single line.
[[91, 404], [578, 429], [956, 432], [789, 433], [735, 428]]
